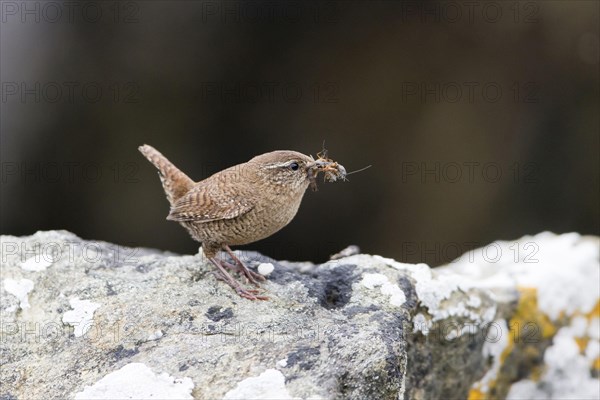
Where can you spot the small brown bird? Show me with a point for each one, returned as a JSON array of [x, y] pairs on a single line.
[[241, 204]]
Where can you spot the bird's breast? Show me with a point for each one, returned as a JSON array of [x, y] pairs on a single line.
[[277, 209]]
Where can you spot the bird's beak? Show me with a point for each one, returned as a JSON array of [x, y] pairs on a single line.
[[318, 164]]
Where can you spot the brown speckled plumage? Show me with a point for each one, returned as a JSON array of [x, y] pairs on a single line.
[[239, 205]]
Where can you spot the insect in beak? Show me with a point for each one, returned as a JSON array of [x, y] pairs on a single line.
[[331, 169]]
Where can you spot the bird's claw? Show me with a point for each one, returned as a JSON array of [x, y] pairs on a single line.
[[223, 275], [240, 267], [250, 294]]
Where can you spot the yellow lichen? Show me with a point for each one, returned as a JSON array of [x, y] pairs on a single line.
[[595, 312], [528, 320], [476, 394], [582, 343], [527, 327], [536, 373]]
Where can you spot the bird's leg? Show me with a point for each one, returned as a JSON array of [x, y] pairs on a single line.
[[231, 267], [235, 268], [224, 276], [248, 273]]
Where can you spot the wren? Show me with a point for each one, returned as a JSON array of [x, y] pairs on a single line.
[[241, 204]]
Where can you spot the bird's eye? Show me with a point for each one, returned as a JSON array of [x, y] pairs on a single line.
[[294, 166]]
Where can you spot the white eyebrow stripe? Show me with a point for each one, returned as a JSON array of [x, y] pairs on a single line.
[[284, 164]]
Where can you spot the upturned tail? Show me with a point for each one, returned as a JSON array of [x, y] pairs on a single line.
[[175, 183]]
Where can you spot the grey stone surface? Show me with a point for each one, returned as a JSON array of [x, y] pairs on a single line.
[[354, 328]]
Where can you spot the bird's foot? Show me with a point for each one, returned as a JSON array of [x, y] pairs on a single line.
[[250, 275], [251, 294], [223, 275]]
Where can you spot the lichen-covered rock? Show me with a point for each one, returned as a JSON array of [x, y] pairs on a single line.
[[551, 349], [79, 317]]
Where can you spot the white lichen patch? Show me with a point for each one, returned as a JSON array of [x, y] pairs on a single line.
[[564, 269], [421, 324], [82, 315], [370, 281], [594, 328], [36, 263], [155, 335], [583, 328], [137, 381], [265, 268], [474, 301], [489, 314], [566, 371], [268, 385], [20, 289], [432, 290], [592, 351], [397, 296], [282, 363]]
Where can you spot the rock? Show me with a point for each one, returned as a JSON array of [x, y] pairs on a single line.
[[515, 319]]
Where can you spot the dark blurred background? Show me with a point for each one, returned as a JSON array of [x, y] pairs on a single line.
[[480, 118]]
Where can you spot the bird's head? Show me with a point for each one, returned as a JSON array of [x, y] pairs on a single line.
[[295, 170]]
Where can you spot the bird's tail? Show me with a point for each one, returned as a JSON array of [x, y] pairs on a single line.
[[175, 182]]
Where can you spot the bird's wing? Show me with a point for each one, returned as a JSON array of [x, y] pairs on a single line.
[[209, 201]]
